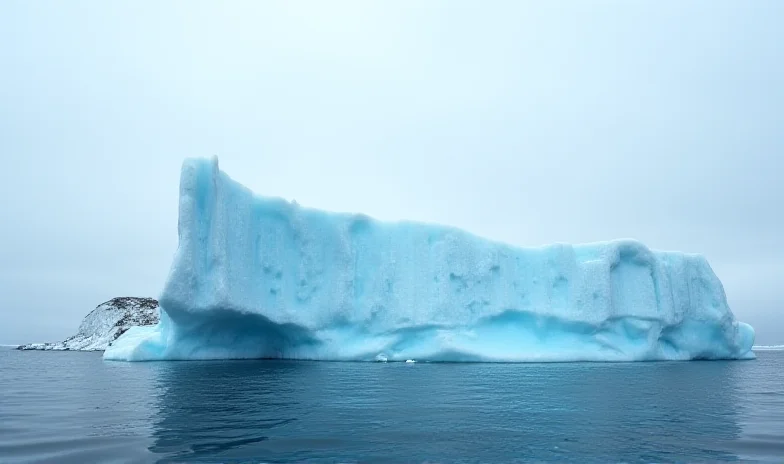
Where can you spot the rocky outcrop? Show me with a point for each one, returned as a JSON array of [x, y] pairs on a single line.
[[104, 324]]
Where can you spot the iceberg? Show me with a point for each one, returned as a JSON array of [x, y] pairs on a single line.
[[259, 277]]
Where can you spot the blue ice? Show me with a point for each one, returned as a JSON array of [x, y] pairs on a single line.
[[258, 277]]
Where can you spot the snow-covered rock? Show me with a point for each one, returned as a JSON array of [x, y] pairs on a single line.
[[258, 277], [104, 324]]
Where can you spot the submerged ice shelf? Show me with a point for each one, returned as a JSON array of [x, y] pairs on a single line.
[[258, 277]]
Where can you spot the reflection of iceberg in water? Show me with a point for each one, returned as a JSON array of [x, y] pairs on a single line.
[[210, 409], [297, 411]]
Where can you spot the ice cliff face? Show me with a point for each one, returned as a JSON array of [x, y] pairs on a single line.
[[105, 323], [260, 277]]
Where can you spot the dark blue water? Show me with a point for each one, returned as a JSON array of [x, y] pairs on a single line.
[[74, 407]]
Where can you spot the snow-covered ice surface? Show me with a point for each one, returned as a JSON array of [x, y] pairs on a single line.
[[104, 324], [258, 277]]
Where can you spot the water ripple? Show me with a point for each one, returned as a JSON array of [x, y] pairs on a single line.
[[73, 407]]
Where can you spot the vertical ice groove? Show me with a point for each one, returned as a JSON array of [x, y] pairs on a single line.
[[258, 277]]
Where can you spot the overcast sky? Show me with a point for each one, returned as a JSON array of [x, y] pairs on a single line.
[[525, 122]]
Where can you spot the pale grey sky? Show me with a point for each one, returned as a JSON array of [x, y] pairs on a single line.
[[526, 122]]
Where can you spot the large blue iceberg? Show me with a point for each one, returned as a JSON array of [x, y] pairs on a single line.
[[258, 277]]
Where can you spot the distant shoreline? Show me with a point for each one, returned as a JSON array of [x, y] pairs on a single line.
[[753, 348], [767, 348], [103, 325]]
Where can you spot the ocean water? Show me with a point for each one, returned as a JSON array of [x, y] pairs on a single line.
[[74, 407]]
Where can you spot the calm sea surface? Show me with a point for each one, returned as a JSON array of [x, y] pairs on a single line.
[[74, 407]]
